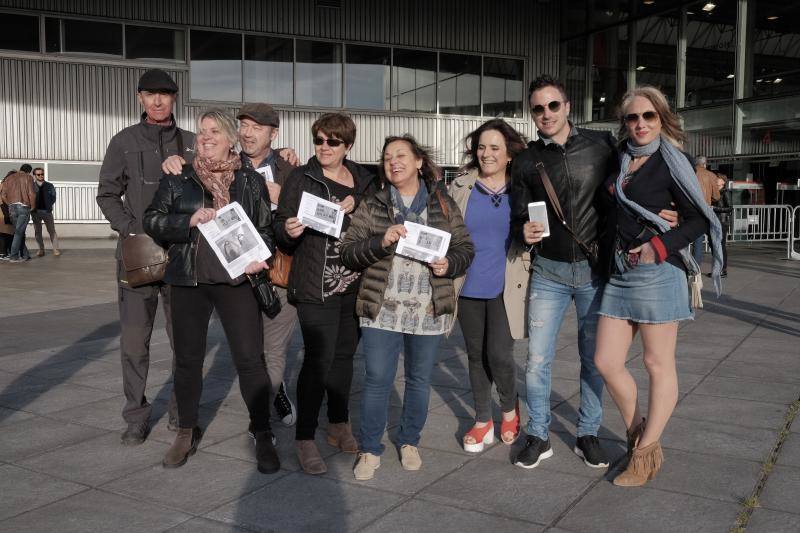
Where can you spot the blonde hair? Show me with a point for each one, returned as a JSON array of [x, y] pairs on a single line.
[[670, 123], [224, 121]]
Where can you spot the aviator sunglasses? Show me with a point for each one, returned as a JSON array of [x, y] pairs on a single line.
[[553, 106], [333, 143], [633, 118]]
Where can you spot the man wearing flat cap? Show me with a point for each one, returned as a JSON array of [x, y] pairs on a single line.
[[258, 127], [129, 178]]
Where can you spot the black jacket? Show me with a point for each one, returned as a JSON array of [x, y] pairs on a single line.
[[46, 195], [176, 200], [308, 250], [577, 171]]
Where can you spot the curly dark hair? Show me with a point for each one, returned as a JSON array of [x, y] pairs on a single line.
[[546, 80], [515, 142], [430, 170]]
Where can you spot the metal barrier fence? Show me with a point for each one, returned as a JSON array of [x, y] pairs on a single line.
[[76, 204], [794, 240], [763, 223]]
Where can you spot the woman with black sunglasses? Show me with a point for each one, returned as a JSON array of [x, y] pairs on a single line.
[[321, 287]]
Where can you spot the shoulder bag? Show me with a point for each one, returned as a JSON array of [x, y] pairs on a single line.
[[144, 260]]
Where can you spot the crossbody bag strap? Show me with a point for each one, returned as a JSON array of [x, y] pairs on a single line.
[[551, 194]]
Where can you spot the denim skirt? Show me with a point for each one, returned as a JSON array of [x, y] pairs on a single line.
[[650, 293]]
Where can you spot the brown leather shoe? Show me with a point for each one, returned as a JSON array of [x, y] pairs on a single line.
[[643, 466], [310, 460], [185, 445], [341, 436]]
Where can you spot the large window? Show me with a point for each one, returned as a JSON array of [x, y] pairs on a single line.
[[776, 48], [708, 130], [319, 74], [19, 32], [657, 52], [459, 84], [414, 81], [573, 73], [710, 53], [216, 66], [502, 87], [268, 69], [147, 43], [771, 126], [91, 37], [609, 71], [367, 76]]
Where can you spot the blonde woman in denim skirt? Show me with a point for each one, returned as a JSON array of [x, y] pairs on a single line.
[[647, 292]]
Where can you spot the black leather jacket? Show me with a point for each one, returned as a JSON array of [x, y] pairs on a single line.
[[577, 171], [176, 200]]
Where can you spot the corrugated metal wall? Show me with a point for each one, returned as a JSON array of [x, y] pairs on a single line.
[[68, 110]]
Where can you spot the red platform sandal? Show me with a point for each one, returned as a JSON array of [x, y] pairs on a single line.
[[480, 436], [510, 426]]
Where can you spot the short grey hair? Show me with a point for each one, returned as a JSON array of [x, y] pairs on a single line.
[[225, 122], [701, 160]]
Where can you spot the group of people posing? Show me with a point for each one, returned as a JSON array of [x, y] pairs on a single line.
[[621, 216]]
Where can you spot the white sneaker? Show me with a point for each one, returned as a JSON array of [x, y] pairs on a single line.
[[284, 407], [366, 466], [409, 457]]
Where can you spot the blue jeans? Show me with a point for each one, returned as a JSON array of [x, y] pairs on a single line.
[[381, 352], [698, 249], [20, 214], [549, 300]]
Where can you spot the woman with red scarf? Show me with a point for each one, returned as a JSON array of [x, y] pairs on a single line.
[[200, 284]]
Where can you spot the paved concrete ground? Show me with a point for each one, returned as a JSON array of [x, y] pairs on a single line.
[[63, 469]]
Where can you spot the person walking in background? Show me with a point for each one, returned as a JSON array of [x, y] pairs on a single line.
[[19, 194], [201, 285], [722, 207], [647, 291], [6, 228], [708, 185], [129, 177], [322, 288], [43, 211], [493, 294], [405, 305]]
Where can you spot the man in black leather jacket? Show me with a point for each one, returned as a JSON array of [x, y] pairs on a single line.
[[577, 162]]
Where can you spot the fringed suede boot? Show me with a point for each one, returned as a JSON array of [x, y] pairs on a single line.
[[634, 436], [643, 466]]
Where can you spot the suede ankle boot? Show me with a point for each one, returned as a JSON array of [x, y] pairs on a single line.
[[184, 446], [634, 436], [341, 436], [266, 455], [643, 466]]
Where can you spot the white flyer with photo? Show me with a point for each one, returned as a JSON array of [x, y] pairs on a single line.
[[268, 178], [422, 242], [234, 239], [537, 212], [320, 214]]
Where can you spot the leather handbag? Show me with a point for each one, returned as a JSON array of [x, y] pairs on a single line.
[[280, 268], [144, 260], [267, 298]]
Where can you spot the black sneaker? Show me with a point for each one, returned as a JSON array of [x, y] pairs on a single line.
[[284, 407], [266, 455], [534, 451], [252, 435], [588, 448], [135, 434], [172, 423]]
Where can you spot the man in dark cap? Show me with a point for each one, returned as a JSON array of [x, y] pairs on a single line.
[[258, 127], [129, 178]]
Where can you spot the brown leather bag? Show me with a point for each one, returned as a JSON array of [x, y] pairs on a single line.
[[279, 269], [145, 261]]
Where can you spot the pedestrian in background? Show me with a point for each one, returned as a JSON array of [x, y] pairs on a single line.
[[19, 194], [43, 212]]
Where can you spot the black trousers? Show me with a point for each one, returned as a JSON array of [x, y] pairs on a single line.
[[241, 320], [490, 351], [330, 334]]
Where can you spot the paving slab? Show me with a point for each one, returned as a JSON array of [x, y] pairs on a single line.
[[745, 413], [782, 489], [425, 516], [205, 525], [97, 461], [205, 482], [610, 508], [718, 439], [748, 389], [790, 450], [553, 492], [24, 490], [39, 435], [299, 502], [768, 521], [95, 511]]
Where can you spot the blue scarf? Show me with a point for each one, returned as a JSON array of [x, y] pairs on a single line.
[[411, 213], [686, 178]]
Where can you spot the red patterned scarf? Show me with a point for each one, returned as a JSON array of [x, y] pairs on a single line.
[[217, 176]]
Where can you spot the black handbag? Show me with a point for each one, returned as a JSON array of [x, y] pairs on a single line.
[[267, 298]]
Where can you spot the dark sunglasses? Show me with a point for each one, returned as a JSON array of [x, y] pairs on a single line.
[[633, 118], [38, 174], [333, 143], [553, 106]]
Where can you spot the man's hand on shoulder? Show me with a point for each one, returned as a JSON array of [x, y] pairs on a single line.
[[290, 156], [173, 165]]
